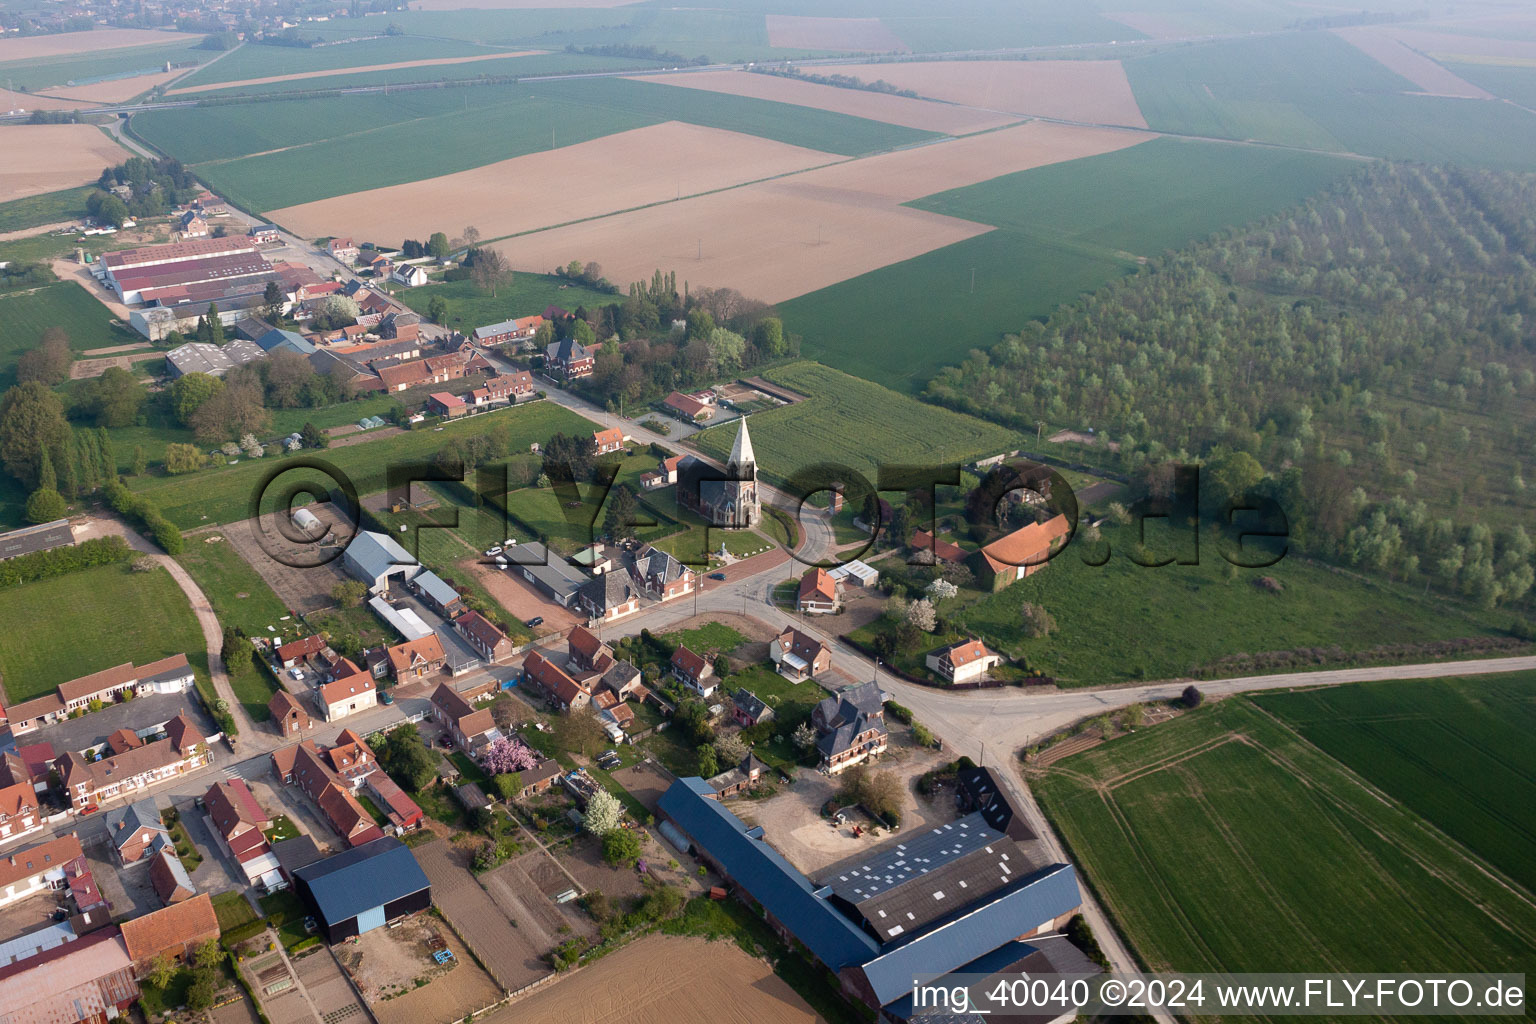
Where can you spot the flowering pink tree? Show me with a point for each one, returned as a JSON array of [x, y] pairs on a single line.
[[506, 755]]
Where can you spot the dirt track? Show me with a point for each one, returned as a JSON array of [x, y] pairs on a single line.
[[926, 115], [618, 172], [47, 157], [1094, 91], [665, 979]]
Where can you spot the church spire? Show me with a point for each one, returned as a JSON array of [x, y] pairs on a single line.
[[741, 450]]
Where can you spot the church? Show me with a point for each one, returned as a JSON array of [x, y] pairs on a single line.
[[727, 498]]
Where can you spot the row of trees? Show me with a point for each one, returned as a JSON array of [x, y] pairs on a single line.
[[1376, 343]]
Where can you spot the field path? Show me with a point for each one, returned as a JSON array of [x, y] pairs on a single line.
[[302, 75]]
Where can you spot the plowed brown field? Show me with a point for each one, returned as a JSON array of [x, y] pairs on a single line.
[[1412, 65], [843, 35], [64, 43], [1094, 91], [48, 157]]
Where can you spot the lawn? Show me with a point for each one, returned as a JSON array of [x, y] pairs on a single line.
[[253, 685], [709, 639], [1222, 841], [233, 910], [186, 849], [69, 626], [858, 424], [1455, 751], [372, 808], [1122, 621], [239, 596], [1062, 230], [49, 208], [282, 827], [336, 145], [225, 494], [286, 912], [469, 306], [27, 314]]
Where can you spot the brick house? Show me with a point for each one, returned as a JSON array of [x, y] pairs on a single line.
[[89, 783], [490, 642], [798, 656], [417, 659], [661, 575], [748, 709], [555, 683], [850, 727], [471, 728], [694, 671], [609, 440], [288, 715], [569, 359], [173, 932], [1021, 553]]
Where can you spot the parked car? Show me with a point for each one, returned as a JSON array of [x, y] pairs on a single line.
[[537, 620], [386, 698], [491, 552], [717, 575]]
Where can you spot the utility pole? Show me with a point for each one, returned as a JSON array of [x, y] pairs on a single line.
[[973, 280]]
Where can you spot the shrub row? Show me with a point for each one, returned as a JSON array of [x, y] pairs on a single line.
[[41, 565], [146, 514]]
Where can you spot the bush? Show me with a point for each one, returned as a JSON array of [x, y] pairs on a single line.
[[899, 712], [41, 565], [621, 847], [1192, 697]]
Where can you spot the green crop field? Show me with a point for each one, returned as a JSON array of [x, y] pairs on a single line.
[[257, 61], [27, 314], [38, 73], [335, 145], [533, 64], [470, 306], [1316, 91], [1222, 841], [1511, 83], [48, 208], [1062, 230], [858, 424], [1455, 751], [224, 495], [1121, 621], [69, 626]]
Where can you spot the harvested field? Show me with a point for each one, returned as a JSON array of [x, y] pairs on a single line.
[[666, 979], [922, 114], [64, 43], [866, 35], [619, 172], [117, 90], [350, 71], [47, 157], [1093, 91], [1447, 46], [31, 101], [783, 238], [1430, 77]]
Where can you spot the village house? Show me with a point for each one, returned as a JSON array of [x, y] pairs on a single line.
[[942, 550], [694, 671], [608, 440], [964, 661], [304, 651], [417, 659], [850, 727], [818, 593], [19, 814], [509, 387], [342, 250], [192, 225], [569, 360], [400, 327], [168, 675], [448, 406], [330, 777], [134, 830], [403, 813], [89, 980], [661, 575], [665, 473], [1021, 553], [739, 778], [748, 709], [265, 234], [508, 331], [472, 728], [288, 715], [687, 407], [585, 652], [352, 690], [484, 636], [174, 932], [608, 597], [555, 683], [380, 264], [30, 871], [90, 783], [411, 277], [798, 656], [240, 824], [168, 875]]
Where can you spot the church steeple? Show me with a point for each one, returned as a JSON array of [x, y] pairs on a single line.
[[742, 457]]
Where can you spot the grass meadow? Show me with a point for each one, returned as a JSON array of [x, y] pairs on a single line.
[[283, 153], [70, 626], [1223, 841], [855, 423], [224, 495], [49, 208], [470, 306], [1454, 751], [239, 596], [27, 313], [1122, 622], [1062, 230]]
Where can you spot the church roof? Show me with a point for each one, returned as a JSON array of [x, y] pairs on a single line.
[[741, 450]]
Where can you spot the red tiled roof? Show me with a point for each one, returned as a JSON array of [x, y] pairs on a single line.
[[943, 550], [613, 435], [34, 860], [691, 663], [353, 681], [967, 651], [183, 924], [1026, 546], [305, 648], [428, 649], [685, 404], [817, 585]]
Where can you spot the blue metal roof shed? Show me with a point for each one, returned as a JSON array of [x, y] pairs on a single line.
[[764, 873], [364, 887]]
